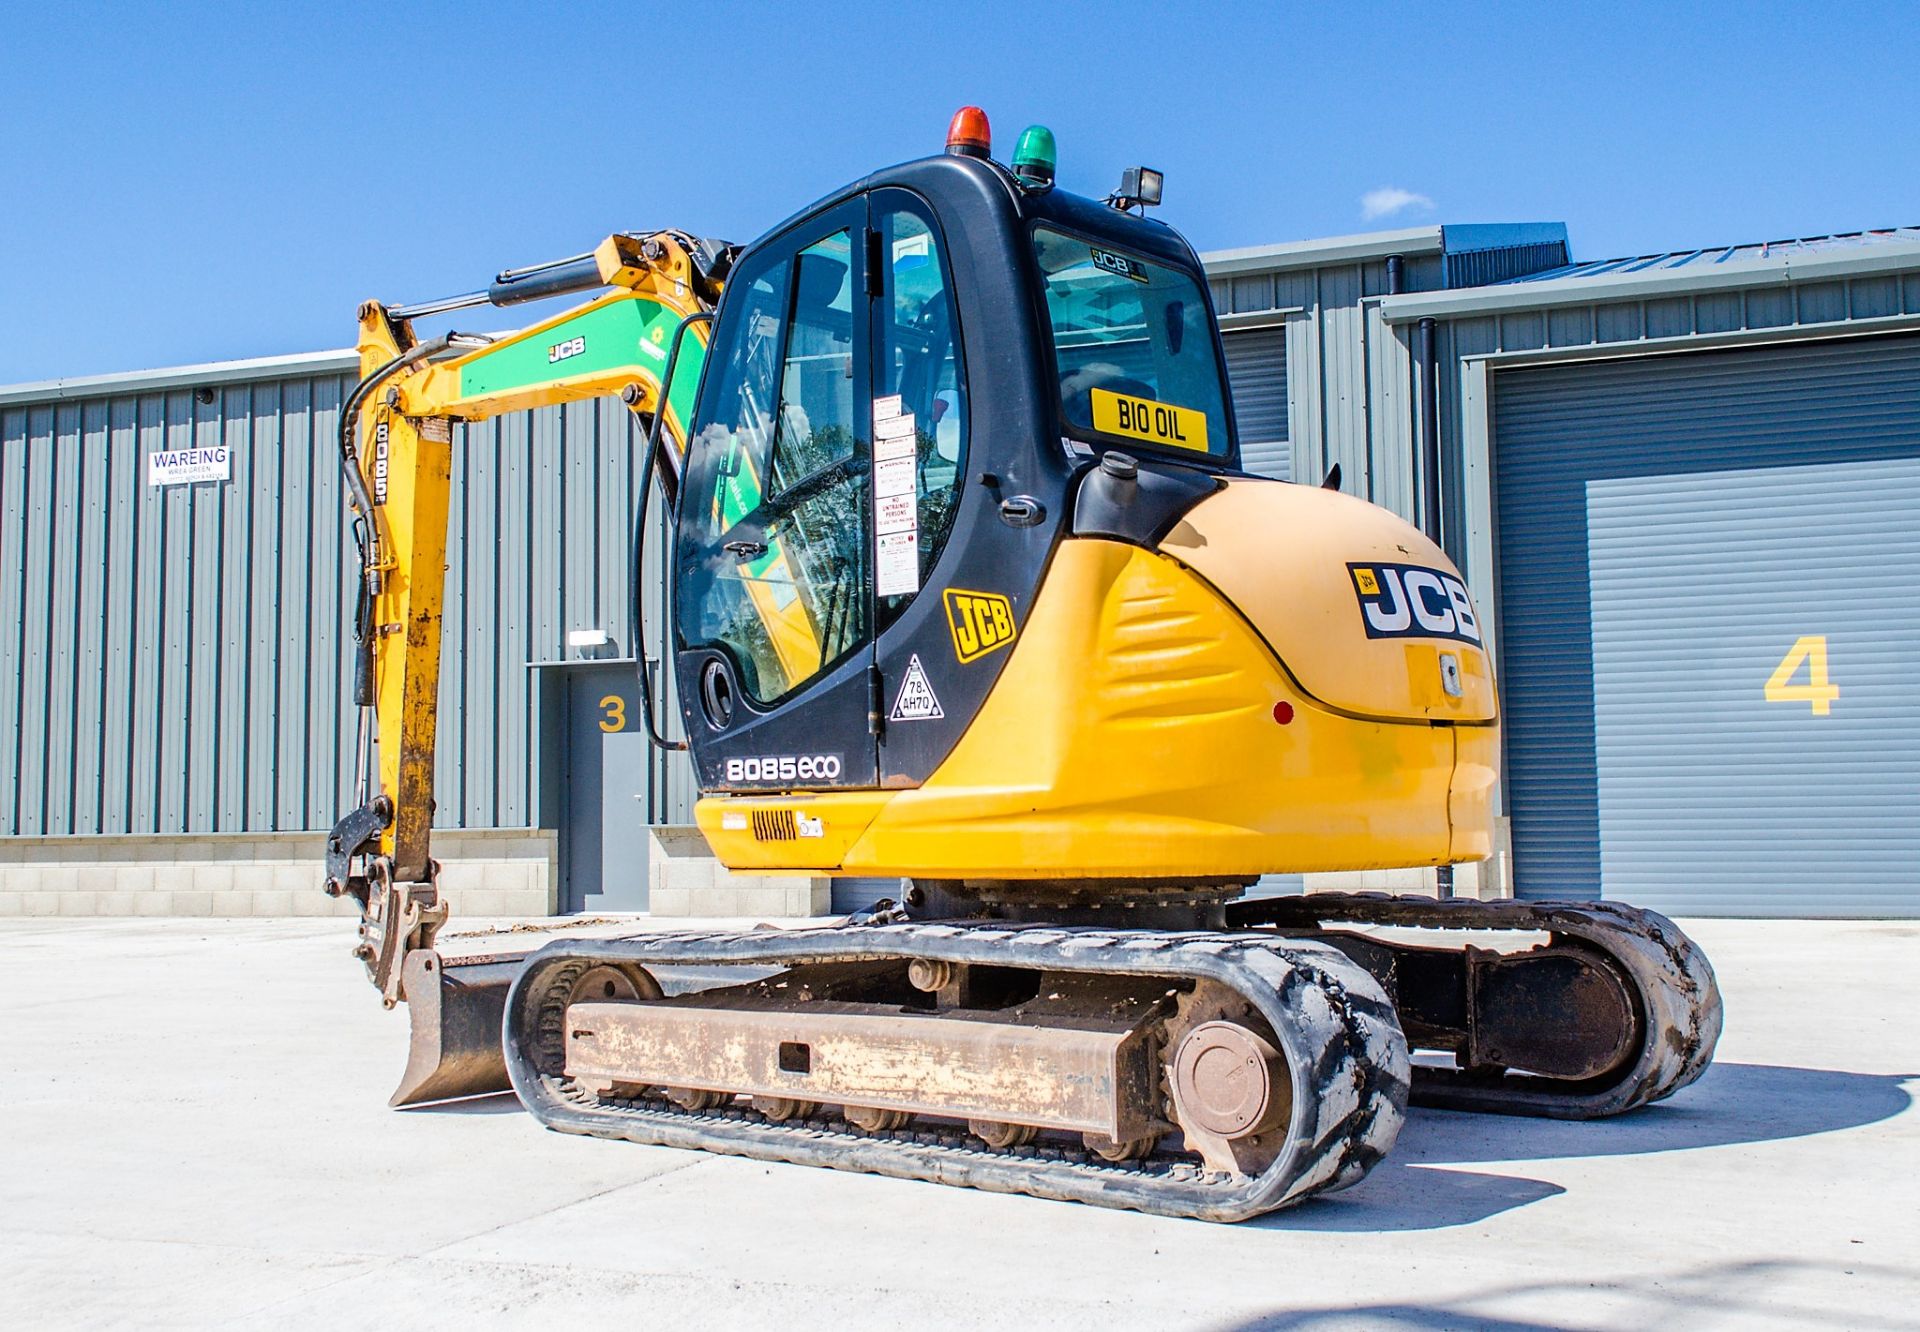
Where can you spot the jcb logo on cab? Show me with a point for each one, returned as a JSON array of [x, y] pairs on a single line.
[[980, 621]]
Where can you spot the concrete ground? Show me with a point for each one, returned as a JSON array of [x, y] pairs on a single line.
[[194, 1132]]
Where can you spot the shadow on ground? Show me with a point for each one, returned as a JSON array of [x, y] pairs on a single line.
[[1400, 1195], [1729, 1293], [1732, 1103], [500, 1103], [1416, 1188]]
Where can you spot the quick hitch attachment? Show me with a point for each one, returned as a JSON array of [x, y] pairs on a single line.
[[395, 918]]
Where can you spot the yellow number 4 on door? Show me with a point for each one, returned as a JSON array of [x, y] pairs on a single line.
[[1818, 691]]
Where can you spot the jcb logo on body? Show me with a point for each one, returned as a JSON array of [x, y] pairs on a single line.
[[980, 622], [1412, 601], [562, 351]]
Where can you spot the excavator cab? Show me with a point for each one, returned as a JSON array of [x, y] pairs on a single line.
[[905, 385], [970, 591]]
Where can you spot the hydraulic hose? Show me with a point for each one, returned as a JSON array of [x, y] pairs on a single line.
[[637, 613], [365, 535]]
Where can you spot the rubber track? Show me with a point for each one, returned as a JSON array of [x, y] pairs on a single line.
[[1338, 1031], [1678, 996]]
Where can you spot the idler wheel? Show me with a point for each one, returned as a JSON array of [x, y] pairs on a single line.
[[870, 1120], [604, 983], [1002, 1136], [1229, 1082]]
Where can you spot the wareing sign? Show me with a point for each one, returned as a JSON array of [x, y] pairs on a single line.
[[179, 467]]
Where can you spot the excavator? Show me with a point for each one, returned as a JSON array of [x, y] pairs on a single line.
[[970, 590]]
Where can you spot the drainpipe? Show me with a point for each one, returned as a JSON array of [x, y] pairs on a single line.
[[1428, 462], [1428, 469], [1396, 274]]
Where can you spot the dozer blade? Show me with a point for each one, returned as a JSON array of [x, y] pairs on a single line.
[[455, 1008]]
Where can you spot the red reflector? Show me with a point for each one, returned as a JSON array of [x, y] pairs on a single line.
[[968, 133], [1283, 712]]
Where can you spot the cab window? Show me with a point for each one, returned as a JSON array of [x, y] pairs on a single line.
[[920, 417], [1133, 348], [773, 522]]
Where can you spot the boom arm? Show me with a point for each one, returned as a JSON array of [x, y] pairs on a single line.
[[646, 341]]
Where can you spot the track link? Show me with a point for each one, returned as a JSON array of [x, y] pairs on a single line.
[[1342, 1041], [1676, 994]]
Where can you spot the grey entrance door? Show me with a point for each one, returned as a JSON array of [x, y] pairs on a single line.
[[1710, 628], [604, 791]]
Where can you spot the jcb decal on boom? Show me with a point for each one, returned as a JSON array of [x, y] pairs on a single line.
[[564, 351], [981, 622], [1411, 601]]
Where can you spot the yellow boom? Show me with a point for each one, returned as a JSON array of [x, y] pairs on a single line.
[[644, 340]]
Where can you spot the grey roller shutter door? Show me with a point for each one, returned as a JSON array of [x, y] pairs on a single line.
[[1670, 530], [1257, 369], [859, 894]]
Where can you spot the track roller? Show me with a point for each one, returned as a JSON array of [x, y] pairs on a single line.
[[1002, 1136]]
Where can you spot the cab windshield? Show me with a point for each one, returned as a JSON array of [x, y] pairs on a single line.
[[1133, 347]]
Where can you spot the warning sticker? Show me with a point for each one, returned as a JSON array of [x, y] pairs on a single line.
[[893, 476], [895, 513], [894, 427], [886, 450], [916, 700], [896, 571], [886, 407]]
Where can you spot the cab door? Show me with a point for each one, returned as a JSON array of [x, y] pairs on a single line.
[[774, 603]]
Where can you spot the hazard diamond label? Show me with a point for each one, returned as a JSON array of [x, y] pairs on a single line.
[[916, 700]]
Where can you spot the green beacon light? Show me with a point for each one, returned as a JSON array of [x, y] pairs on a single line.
[[1034, 157]]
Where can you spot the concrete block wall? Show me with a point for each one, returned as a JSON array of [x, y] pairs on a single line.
[[507, 872], [684, 879]]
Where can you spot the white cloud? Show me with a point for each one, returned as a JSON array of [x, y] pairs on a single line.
[[1388, 200]]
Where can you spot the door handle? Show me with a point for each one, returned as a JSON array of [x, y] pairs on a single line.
[[1022, 511]]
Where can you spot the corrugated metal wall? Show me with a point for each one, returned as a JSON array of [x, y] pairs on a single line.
[[1349, 375], [1476, 268], [539, 542], [131, 697], [176, 660]]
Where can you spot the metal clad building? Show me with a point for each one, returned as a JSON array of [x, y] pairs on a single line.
[[177, 659], [172, 657], [1687, 482], [1664, 478]]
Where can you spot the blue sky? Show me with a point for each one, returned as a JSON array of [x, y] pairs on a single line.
[[191, 182]]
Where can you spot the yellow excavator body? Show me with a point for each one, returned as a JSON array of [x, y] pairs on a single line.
[[1224, 715]]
